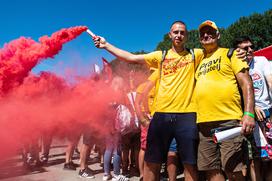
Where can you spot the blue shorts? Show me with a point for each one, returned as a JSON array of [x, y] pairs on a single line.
[[166, 126]]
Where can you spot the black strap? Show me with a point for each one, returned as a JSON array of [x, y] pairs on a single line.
[[164, 53], [192, 53], [230, 53]]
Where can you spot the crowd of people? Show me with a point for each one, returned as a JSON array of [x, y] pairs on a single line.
[[170, 117], [197, 91]]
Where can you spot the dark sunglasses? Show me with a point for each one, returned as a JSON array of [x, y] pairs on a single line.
[[247, 47], [212, 33]]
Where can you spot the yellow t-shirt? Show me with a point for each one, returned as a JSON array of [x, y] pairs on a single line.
[[216, 90], [176, 82], [152, 93], [154, 77]]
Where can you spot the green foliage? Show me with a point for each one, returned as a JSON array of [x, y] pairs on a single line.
[[193, 39], [257, 26], [165, 44]]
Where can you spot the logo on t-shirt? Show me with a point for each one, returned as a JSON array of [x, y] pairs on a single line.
[[257, 82], [172, 65], [209, 66]]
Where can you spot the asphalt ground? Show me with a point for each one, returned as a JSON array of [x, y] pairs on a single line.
[[12, 169]]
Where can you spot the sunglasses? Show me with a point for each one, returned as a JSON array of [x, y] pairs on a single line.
[[247, 47], [212, 33]]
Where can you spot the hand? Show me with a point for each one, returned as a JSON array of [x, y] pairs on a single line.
[[248, 124], [148, 116], [260, 113], [99, 42], [145, 122], [241, 53]]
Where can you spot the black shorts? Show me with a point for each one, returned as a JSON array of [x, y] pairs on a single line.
[[166, 126]]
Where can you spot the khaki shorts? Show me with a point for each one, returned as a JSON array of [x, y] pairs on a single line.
[[228, 155]]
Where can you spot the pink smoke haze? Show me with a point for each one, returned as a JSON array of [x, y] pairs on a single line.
[[46, 103], [18, 57], [32, 104]]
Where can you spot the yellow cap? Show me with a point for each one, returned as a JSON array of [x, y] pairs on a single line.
[[208, 23]]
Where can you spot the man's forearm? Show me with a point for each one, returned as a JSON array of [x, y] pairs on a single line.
[[124, 55], [246, 85], [248, 97]]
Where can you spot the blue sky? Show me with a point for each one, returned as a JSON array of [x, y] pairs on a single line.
[[130, 25]]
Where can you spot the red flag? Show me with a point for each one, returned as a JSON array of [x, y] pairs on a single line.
[[107, 71], [267, 52]]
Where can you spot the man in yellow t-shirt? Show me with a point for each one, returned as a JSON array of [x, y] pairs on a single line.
[[219, 105], [175, 112]]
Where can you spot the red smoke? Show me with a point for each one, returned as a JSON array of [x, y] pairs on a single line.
[[46, 102], [31, 104], [19, 56]]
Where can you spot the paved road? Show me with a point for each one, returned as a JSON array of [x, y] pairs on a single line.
[[12, 169]]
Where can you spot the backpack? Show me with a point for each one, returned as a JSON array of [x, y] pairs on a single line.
[[126, 120], [123, 119]]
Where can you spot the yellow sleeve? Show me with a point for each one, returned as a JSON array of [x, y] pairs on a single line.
[[153, 59], [199, 55], [238, 64], [154, 76], [140, 88]]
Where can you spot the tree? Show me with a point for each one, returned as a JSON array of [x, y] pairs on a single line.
[[193, 39], [257, 27], [165, 44]]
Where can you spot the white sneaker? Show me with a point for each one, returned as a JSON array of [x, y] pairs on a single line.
[[106, 177], [119, 178]]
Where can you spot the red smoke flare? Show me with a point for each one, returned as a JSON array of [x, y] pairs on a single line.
[[19, 56]]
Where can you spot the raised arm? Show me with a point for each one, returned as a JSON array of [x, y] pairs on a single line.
[[244, 81], [101, 42]]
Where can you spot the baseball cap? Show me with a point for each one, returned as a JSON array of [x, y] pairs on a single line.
[[208, 23]]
